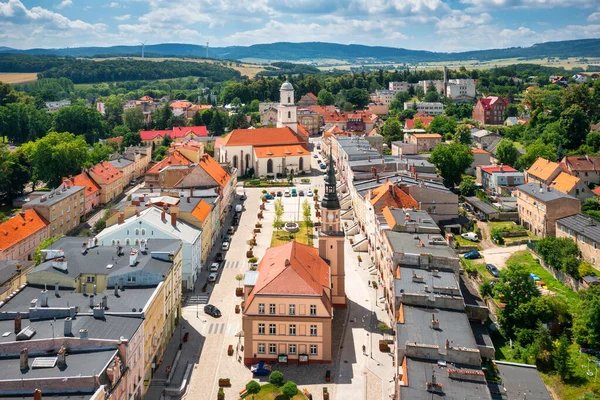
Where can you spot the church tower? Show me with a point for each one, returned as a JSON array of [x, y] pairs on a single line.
[[331, 237], [286, 111]]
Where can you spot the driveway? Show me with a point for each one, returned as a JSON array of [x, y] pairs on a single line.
[[499, 255]]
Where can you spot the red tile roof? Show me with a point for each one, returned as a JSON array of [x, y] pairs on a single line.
[[479, 151], [105, 173], [488, 102], [390, 195], [175, 133], [20, 227], [495, 169], [83, 179], [214, 169], [180, 104], [312, 96], [146, 98], [596, 191], [201, 210], [302, 130], [260, 136], [410, 123], [173, 158], [581, 163], [151, 135]]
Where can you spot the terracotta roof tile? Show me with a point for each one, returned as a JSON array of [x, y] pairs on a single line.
[[201, 210], [564, 182], [311, 95], [479, 151], [20, 227], [427, 135], [180, 104], [214, 169], [302, 130], [280, 151], [410, 123], [582, 163], [175, 133], [494, 169], [83, 179], [173, 158], [390, 195], [261, 136], [543, 169], [105, 173]]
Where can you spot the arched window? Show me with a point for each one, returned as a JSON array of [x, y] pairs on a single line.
[[143, 231], [137, 231], [127, 241], [235, 162], [137, 241], [113, 242], [269, 166], [248, 161], [301, 164], [289, 114]]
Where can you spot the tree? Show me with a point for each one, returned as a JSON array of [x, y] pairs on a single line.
[[325, 98], [432, 94], [131, 139], [162, 118], [420, 92], [167, 140], [134, 119], [359, 98], [392, 130], [506, 152], [16, 172], [239, 278], [306, 215], [276, 378], [113, 110], [452, 160], [534, 151], [442, 125], [562, 359], [576, 125], [99, 152], [159, 153], [462, 135], [277, 222], [37, 253], [217, 124], [56, 155], [467, 186], [80, 119], [238, 121], [290, 389], [252, 388], [593, 140], [383, 328]]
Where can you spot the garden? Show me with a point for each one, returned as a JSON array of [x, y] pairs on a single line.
[[276, 389]]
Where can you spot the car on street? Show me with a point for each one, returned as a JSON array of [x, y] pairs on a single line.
[[279, 194], [214, 267], [132, 182], [235, 222], [309, 193], [219, 257], [231, 230], [315, 155], [243, 197], [493, 270], [212, 311], [294, 193], [322, 166], [212, 277], [301, 193], [227, 237], [472, 255], [472, 236], [269, 196], [225, 246]]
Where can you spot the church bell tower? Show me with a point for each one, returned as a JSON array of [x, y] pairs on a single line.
[[331, 237]]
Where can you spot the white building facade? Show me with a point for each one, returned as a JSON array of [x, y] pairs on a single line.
[[287, 110], [430, 108]]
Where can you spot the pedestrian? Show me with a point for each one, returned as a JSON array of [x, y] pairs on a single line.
[[364, 348], [369, 283]]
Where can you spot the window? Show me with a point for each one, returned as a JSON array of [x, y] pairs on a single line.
[[595, 246], [272, 309], [269, 166], [235, 162], [137, 232], [289, 99], [131, 279], [261, 308], [313, 349], [272, 348], [90, 279], [127, 241], [292, 349], [289, 114], [272, 329], [261, 348], [313, 330], [313, 309], [261, 329], [292, 309], [143, 231], [292, 330]]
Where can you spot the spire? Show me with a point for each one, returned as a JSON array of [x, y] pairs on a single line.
[[330, 199]]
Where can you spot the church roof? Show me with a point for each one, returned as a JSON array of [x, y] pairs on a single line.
[[280, 151], [261, 137]]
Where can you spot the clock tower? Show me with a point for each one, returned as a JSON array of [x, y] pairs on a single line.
[[331, 237]]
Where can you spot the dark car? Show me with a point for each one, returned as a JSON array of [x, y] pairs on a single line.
[[243, 197], [279, 194], [472, 255], [235, 222], [269, 196], [212, 311], [301, 193], [219, 257], [493, 270]]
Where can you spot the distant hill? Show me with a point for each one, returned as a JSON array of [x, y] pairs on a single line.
[[320, 50]]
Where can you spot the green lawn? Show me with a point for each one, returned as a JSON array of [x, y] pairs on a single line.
[[479, 265], [464, 242], [272, 392], [302, 236], [512, 227]]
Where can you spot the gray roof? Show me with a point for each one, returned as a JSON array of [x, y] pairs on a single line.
[[408, 243], [54, 196], [363, 187], [419, 372], [481, 205], [543, 193], [96, 259], [454, 327], [8, 268], [481, 334], [518, 379], [250, 278], [406, 284], [121, 162], [408, 219], [469, 293], [581, 225]]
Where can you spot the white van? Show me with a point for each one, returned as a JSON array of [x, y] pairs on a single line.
[[286, 193]]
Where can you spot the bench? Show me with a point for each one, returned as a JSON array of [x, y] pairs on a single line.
[[243, 392]]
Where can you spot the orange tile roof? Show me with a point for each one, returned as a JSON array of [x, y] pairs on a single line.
[[332, 117], [173, 158], [543, 169], [20, 227], [427, 135], [280, 151], [260, 136], [105, 173], [582, 163], [306, 275], [390, 195], [311, 95], [373, 132], [83, 179], [118, 140], [146, 98], [302, 130], [201, 210], [180, 104], [564, 182], [410, 123], [596, 191], [214, 169], [479, 151]]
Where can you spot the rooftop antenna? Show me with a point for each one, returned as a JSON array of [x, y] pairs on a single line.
[[143, 44], [206, 49]]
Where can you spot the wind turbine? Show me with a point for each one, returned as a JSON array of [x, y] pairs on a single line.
[[143, 43]]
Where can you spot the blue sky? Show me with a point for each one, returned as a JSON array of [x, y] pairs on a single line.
[[436, 25]]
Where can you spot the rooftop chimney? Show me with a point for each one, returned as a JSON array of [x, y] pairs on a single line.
[[18, 324], [68, 326], [174, 219], [37, 394], [121, 218], [62, 357], [435, 323], [133, 257], [24, 359], [99, 312], [83, 334], [56, 287], [163, 215], [287, 262], [92, 301], [44, 297], [143, 246]]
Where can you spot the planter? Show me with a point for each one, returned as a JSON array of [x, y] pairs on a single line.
[[318, 214], [229, 353], [383, 346], [258, 225], [256, 230], [262, 207], [237, 309], [239, 291], [249, 254], [328, 376], [224, 382], [220, 394]]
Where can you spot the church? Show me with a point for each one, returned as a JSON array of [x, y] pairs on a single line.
[[269, 152], [289, 300]]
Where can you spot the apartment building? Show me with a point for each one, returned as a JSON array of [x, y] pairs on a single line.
[[22, 234], [567, 177], [384, 97], [425, 142], [92, 190], [62, 208], [429, 108], [13, 276], [460, 90], [110, 180], [498, 178], [586, 168], [539, 207], [400, 86], [490, 110], [585, 232], [126, 167], [141, 157]]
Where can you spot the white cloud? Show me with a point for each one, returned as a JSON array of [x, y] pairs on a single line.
[[64, 3], [459, 20], [114, 4], [479, 5], [594, 17], [123, 17]]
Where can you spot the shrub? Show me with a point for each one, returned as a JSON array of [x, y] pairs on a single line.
[[252, 259], [253, 387], [276, 378], [290, 389]]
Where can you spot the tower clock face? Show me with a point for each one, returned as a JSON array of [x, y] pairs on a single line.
[[330, 217]]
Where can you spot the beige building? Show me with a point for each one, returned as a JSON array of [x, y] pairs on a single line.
[[585, 232], [425, 142], [21, 235], [311, 120], [309, 99], [126, 167], [480, 158], [141, 157], [62, 208], [540, 206], [110, 180]]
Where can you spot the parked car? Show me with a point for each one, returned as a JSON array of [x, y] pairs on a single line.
[[231, 230], [493, 270], [225, 246], [243, 197], [235, 222], [309, 193], [212, 311], [286, 193], [294, 193], [472, 255], [279, 194], [472, 236], [315, 155], [219, 257], [212, 277], [132, 182], [322, 166], [214, 267], [269, 196], [301, 193]]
